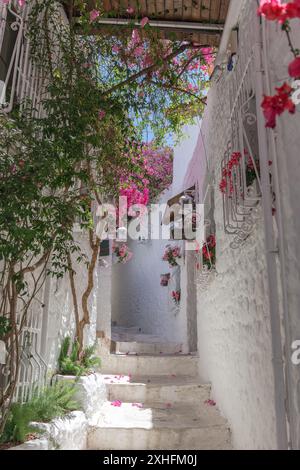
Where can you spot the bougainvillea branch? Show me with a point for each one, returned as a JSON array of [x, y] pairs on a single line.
[[273, 106]]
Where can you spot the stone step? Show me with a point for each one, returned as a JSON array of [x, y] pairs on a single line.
[[156, 388], [133, 426], [142, 344], [163, 364], [124, 330]]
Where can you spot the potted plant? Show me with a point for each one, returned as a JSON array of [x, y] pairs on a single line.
[[172, 255], [176, 296], [121, 253], [164, 279]]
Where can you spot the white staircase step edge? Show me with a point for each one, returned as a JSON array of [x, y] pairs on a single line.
[[159, 426], [163, 364], [156, 388]]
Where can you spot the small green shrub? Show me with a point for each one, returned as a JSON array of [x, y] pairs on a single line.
[[70, 362], [5, 326], [52, 402]]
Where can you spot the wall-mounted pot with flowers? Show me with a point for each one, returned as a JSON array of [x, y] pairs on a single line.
[[173, 256], [205, 264], [164, 279], [121, 253], [176, 296]]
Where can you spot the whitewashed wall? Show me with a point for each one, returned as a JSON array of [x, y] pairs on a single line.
[[288, 156], [234, 337], [139, 300], [137, 297], [60, 310], [183, 153]]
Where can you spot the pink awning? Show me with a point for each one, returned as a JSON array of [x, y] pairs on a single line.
[[197, 168]]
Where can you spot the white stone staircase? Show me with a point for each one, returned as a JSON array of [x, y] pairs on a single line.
[[162, 405]]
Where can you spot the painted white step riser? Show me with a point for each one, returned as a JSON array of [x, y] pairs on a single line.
[[148, 348], [164, 394], [138, 365], [211, 438]]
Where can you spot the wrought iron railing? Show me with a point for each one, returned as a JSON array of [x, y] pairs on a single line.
[[20, 81], [240, 170], [20, 78]]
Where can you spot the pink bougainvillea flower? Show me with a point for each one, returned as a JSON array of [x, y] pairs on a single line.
[[130, 10], [274, 106], [135, 37], [101, 114], [144, 21], [294, 68], [292, 10], [21, 2], [210, 403], [94, 14], [116, 403], [273, 10], [138, 52], [116, 49]]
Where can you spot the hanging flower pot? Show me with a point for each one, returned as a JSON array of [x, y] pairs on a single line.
[[173, 256], [176, 296], [164, 279]]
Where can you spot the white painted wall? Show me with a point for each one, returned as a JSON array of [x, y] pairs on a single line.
[[288, 157], [60, 311], [183, 153], [137, 297], [234, 338]]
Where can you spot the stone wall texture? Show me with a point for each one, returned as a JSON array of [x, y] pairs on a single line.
[[234, 336]]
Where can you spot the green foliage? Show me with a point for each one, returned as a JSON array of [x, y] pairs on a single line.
[[88, 359], [53, 401], [70, 362], [5, 326]]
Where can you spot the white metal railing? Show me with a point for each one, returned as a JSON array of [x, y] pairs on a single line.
[[21, 77], [21, 81], [240, 172]]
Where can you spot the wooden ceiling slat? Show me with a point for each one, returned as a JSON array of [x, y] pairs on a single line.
[[160, 9], [169, 9], [215, 10], [177, 9], [205, 6], [142, 7], [206, 11], [195, 14], [187, 10], [151, 7], [224, 10], [106, 5]]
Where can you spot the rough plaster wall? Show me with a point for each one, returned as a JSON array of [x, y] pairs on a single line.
[[182, 155], [61, 312], [191, 308], [137, 297], [234, 341], [234, 338], [288, 154], [104, 295]]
